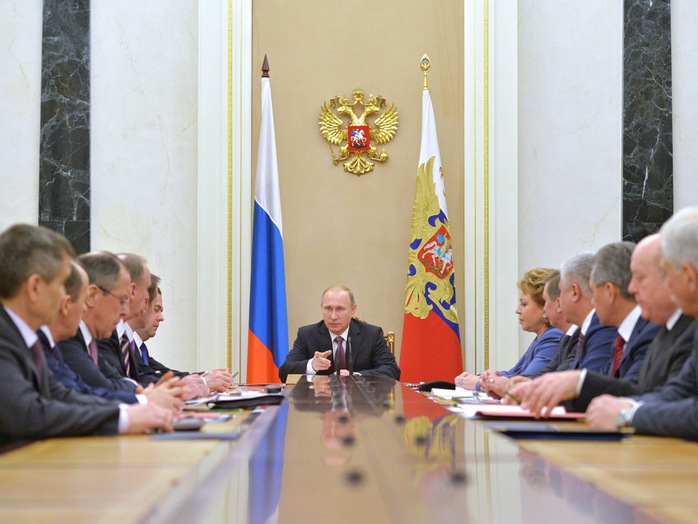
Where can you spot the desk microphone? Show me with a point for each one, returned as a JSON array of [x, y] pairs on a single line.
[[350, 362]]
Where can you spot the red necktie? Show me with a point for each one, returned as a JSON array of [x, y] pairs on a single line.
[[617, 354], [340, 358]]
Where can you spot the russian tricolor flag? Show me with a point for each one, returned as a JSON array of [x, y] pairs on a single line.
[[268, 336]]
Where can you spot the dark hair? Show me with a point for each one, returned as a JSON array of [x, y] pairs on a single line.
[[102, 267], [26, 250], [153, 290]]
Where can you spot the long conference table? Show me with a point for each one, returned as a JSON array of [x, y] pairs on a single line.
[[349, 450]]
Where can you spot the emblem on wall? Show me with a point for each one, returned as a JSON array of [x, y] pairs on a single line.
[[341, 126]]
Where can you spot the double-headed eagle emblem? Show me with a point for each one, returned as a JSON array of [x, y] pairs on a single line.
[[357, 136]]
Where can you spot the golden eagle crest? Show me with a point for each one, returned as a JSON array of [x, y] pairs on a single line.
[[357, 135], [429, 286]]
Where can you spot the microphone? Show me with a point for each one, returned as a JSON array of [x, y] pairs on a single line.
[[337, 363], [350, 362]]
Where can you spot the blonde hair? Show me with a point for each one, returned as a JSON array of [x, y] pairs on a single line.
[[533, 283]]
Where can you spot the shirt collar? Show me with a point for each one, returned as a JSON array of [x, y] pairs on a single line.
[[573, 328], [49, 336], [344, 335], [673, 319], [626, 327], [85, 333], [28, 334], [587, 321], [137, 339]]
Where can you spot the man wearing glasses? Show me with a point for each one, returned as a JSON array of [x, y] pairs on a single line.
[[107, 301]]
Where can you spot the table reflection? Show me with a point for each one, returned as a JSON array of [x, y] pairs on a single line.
[[372, 449]]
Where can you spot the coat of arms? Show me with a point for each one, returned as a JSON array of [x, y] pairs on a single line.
[[356, 138]]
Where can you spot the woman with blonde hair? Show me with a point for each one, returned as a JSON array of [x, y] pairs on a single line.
[[532, 319]]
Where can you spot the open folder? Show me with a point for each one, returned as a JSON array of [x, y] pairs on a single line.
[[544, 431], [505, 411]]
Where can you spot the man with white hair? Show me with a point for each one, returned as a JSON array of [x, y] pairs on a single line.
[[673, 409]]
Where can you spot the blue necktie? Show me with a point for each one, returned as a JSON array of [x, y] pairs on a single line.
[[144, 353]]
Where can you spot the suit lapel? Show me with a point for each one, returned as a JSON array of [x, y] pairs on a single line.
[[24, 352]]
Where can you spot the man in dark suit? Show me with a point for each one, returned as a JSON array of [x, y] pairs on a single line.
[[34, 264], [671, 346], [66, 323], [615, 306], [568, 343], [673, 409], [595, 343], [197, 384], [340, 342], [106, 302], [119, 348]]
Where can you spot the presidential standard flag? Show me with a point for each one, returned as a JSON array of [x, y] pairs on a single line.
[[430, 337], [268, 335]]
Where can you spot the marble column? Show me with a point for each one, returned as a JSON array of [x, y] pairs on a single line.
[[64, 156], [648, 199]]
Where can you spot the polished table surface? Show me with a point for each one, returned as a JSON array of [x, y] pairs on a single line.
[[349, 450]]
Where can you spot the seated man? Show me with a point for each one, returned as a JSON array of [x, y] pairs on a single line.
[[340, 341], [613, 281], [66, 324], [671, 410], [34, 264], [199, 384]]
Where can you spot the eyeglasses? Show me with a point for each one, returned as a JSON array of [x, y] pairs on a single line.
[[123, 300]]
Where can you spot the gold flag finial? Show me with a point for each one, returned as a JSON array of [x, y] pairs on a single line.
[[425, 66]]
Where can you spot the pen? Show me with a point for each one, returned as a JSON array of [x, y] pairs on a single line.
[[512, 397]]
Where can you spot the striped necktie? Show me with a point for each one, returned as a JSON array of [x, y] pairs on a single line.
[[125, 357]]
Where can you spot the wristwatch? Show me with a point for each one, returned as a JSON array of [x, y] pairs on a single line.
[[624, 417]]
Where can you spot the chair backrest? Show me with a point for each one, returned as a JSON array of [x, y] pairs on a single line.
[[390, 339]]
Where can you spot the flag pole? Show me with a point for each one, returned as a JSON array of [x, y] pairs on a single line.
[[265, 67], [425, 66]]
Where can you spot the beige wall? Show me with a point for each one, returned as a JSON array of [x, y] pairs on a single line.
[[340, 228]]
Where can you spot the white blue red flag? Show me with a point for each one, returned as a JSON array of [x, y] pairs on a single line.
[[268, 334]]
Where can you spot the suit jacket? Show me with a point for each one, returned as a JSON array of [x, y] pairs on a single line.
[[72, 380], [33, 408], [369, 355], [566, 353], [542, 350], [74, 351], [597, 347], [664, 359], [673, 409], [635, 350], [110, 351], [153, 367]]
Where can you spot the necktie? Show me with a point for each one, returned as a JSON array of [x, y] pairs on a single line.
[[340, 357], [617, 354], [125, 346], [92, 350], [39, 360], [563, 342], [580, 343], [144, 353]]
